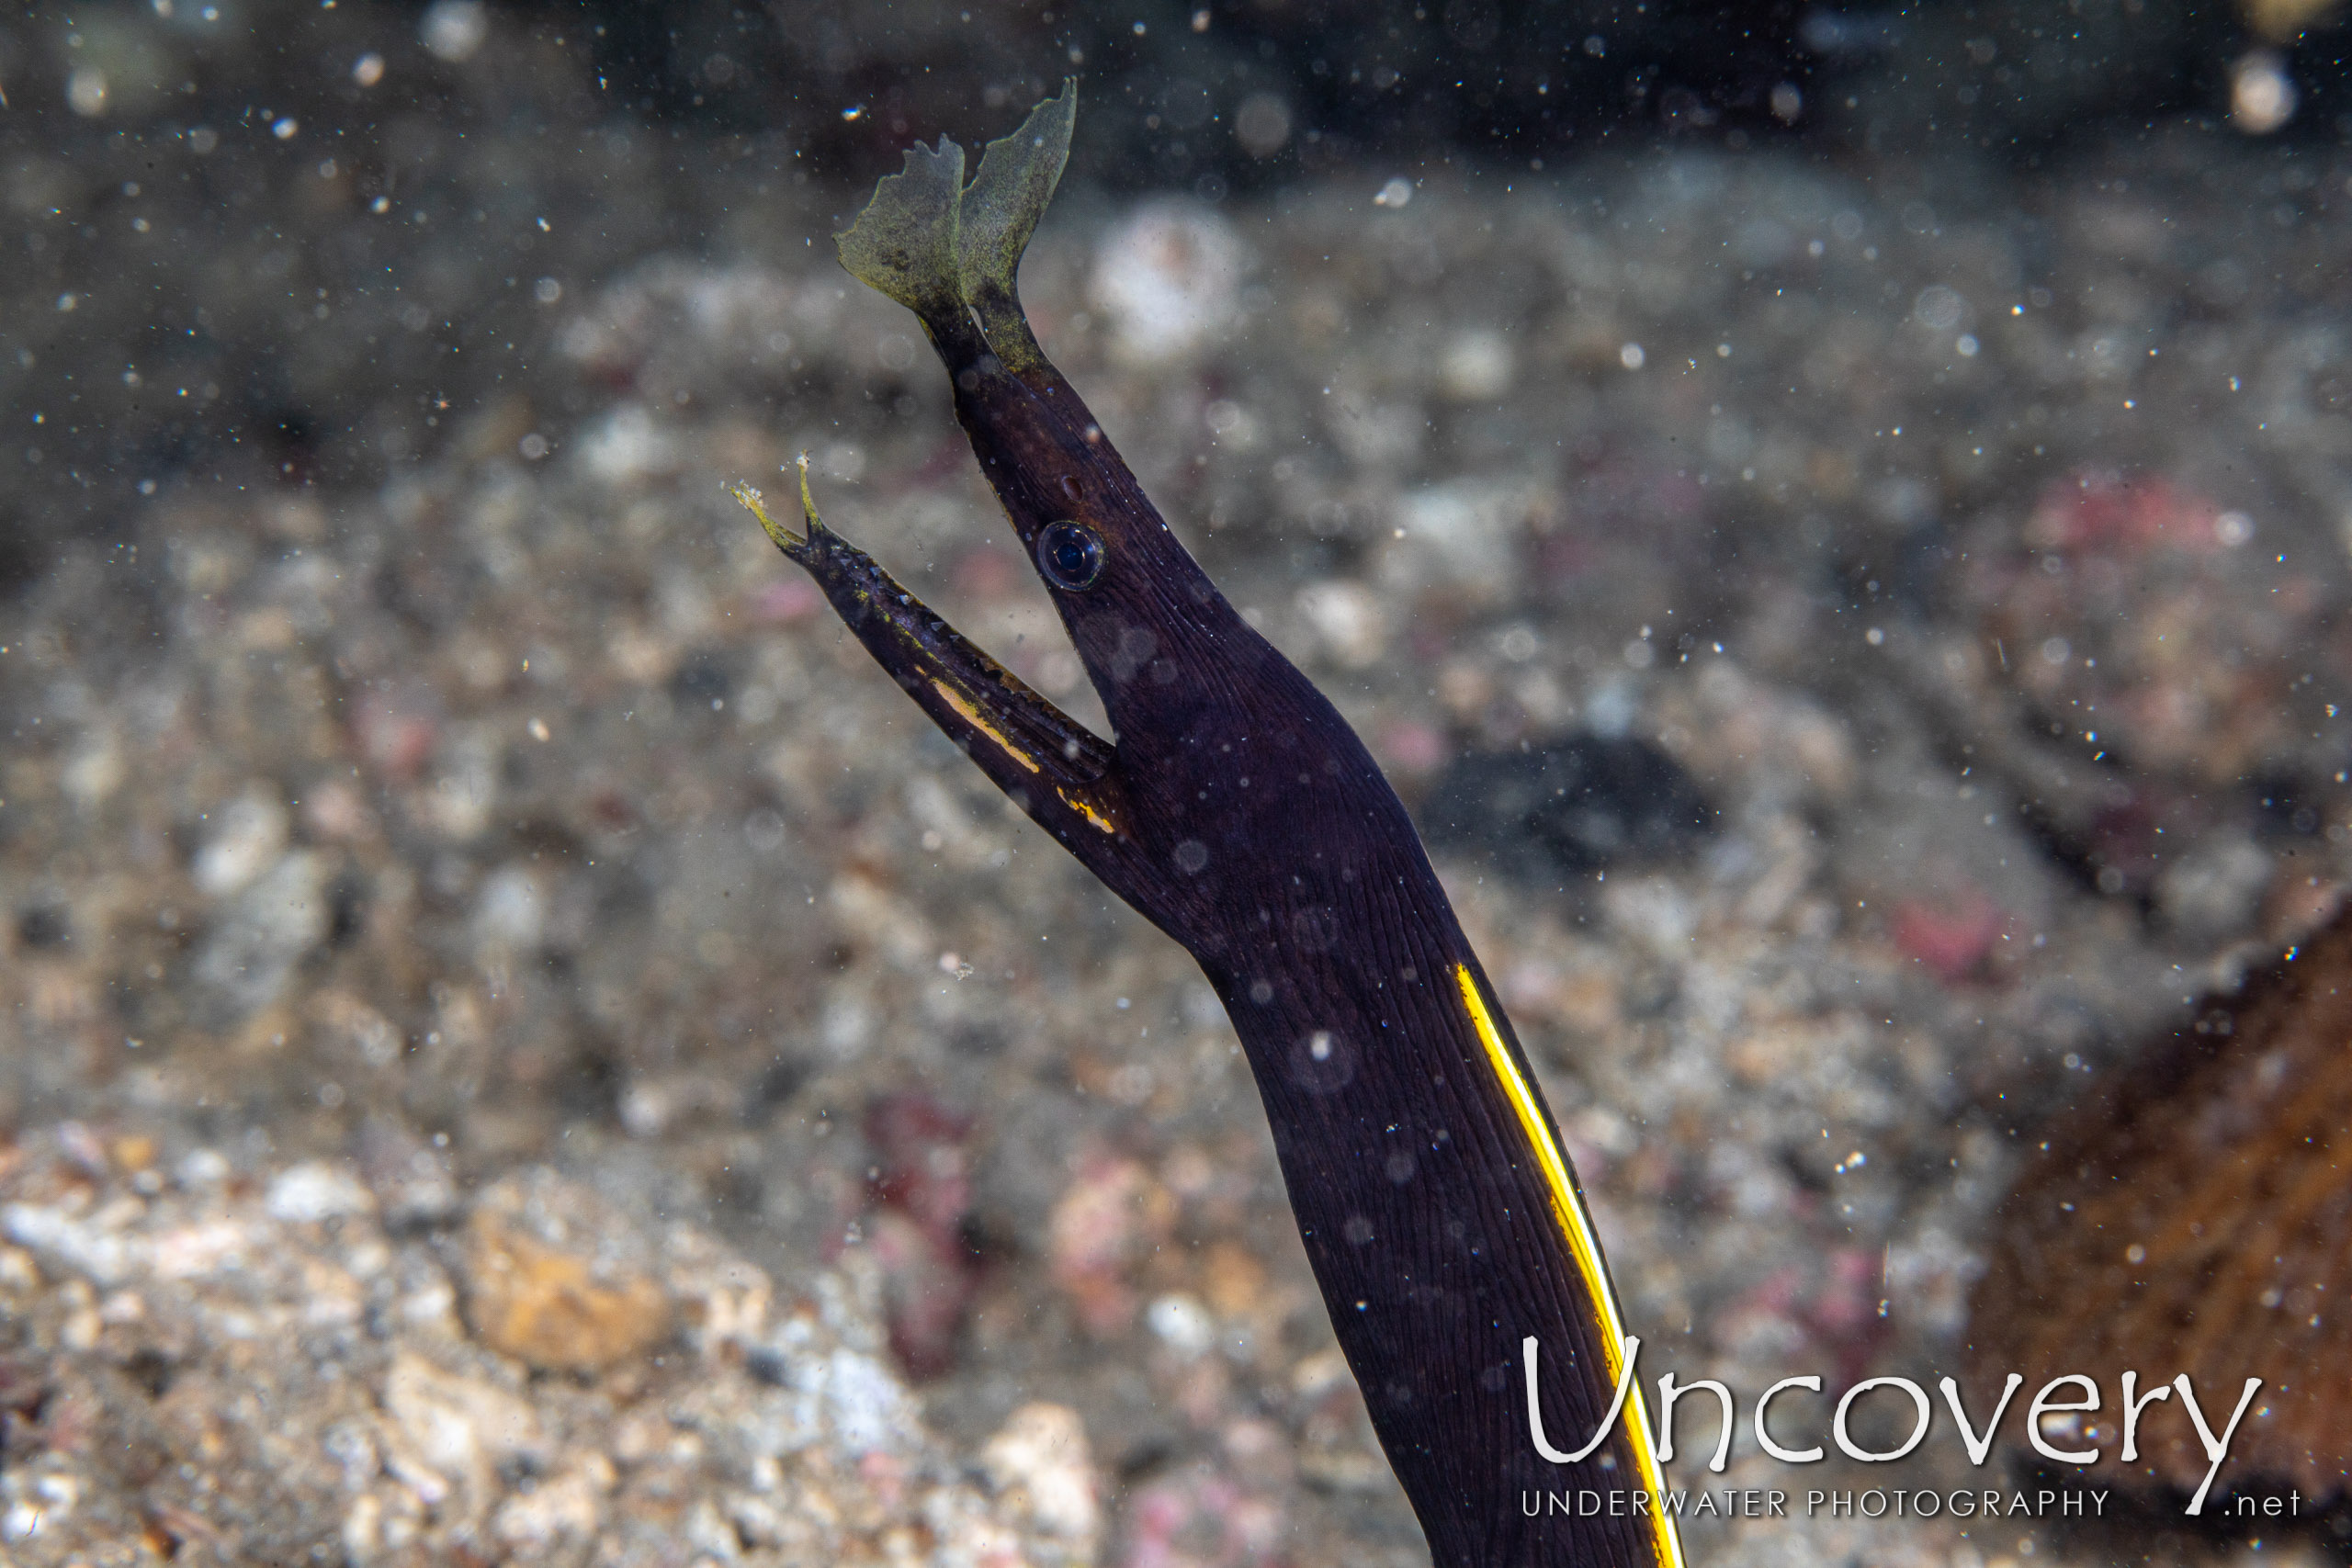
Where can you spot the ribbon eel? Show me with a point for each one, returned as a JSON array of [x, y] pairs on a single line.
[[1239, 814]]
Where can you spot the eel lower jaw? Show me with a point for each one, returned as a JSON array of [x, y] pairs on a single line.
[[804, 549]]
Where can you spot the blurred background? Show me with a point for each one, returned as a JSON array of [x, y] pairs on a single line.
[[430, 112], [518, 1042]]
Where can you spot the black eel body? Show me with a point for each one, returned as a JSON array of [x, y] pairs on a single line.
[[1239, 812]]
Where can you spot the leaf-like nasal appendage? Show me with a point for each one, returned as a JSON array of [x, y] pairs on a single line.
[[942, 249], [903, 245], [1018, 173]]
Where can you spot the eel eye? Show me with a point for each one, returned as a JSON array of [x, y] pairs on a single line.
[[1070, 555]]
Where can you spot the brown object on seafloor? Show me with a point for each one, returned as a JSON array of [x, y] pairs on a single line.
[[548, 1281], [2193, 1215]]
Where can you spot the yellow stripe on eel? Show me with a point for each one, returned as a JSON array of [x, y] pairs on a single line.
[[1080, 804], [1583, 1246], [971, 716]]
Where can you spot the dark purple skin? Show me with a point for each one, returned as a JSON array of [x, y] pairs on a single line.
[[1239, 814]]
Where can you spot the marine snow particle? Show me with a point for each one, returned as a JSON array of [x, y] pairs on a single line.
[[454, 30], [2262, 96], [1938, 308], [86, 89], [1261, 124]]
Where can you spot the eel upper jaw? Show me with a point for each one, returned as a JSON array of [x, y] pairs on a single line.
[[951, 253]]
